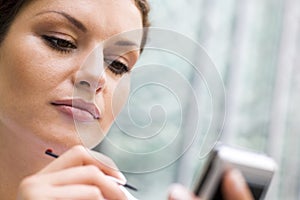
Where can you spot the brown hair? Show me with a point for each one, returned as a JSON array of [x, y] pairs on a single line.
[[9, 10], [144, 8]]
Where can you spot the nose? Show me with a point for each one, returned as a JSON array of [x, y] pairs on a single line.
[[91, 75]]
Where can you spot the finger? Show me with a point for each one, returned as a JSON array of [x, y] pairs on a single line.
[[109, 168], [178, 192], [234, 186], [80, 156], [84, 175], [31, 188], [77, 192]]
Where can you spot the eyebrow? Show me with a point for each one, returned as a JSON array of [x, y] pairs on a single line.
[[79, 25], [126, 43]]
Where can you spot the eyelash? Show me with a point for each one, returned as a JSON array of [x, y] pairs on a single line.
[[65, 46], [117, 67], [58, 44]]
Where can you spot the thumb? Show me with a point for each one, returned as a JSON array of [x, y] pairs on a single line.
[[234, 186], [178, 192]]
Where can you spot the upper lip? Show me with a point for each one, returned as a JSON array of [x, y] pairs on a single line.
[[80, 104]]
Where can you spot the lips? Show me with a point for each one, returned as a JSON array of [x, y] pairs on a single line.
[[78, 109]]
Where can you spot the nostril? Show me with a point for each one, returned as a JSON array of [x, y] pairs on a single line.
[[98, 89], [85, 83]]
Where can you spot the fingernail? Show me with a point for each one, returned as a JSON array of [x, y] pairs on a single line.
[[117, 180], [177, 193], [122, 178]]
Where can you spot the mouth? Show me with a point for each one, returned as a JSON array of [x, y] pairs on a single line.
[[78, 109]]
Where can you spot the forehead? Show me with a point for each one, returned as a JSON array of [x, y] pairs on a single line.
[[108, 17]]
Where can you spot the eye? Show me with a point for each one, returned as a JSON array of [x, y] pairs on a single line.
[[59, 44], [117, 67]]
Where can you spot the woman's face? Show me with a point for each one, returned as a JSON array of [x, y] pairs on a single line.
[[56, 69]]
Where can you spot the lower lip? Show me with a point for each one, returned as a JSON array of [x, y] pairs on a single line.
[[76, 113]]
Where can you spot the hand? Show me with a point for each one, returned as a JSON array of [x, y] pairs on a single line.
[[234, 187], [74, 175]]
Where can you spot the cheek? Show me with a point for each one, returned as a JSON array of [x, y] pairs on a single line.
[[30, 76], [120, 94], [111, 100], [28, 81], [28, 66], [115, 96], [18, 78]]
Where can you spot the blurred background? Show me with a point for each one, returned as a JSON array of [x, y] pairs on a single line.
[[255, 46]]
